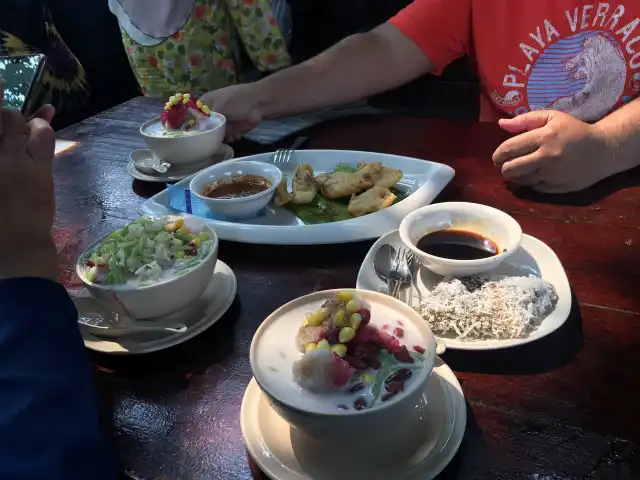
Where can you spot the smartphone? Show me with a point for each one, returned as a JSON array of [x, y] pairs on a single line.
[[22, 75]]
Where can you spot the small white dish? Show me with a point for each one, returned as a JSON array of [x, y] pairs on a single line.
[[189, 149], [160, 298], [198, 316], [147, 162], [175, 174], [490, 222], [532, 258], [272, 355], [240, 207], [285, 453]]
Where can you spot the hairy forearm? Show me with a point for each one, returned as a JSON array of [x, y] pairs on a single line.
[[355, 68], [621, 129]]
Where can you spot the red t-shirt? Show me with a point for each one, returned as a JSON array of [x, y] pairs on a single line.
[[576, 56]]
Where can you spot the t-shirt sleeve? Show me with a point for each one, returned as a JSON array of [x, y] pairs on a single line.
[[441, 28]]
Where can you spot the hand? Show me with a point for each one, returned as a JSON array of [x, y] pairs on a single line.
[[557, 153], [26, 194], [239, 104]]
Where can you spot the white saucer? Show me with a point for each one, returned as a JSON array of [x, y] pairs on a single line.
[[284, 453], [532, 258], [204, 312], [175, 174]]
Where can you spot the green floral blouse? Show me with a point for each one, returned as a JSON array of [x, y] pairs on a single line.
[[199, 51]]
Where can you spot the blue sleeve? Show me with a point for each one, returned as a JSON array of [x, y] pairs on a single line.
[[48, 412]]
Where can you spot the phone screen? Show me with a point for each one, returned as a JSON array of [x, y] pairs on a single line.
[[20, 73]]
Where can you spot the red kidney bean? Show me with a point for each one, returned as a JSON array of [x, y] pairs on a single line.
[[399, 376], [398, 332], [357, 387], [402, 355], [419, 349], [90, 263], [366, 315], [359, 404]]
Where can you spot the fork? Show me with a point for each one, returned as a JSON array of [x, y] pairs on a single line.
[[401, 270], [282, 156]]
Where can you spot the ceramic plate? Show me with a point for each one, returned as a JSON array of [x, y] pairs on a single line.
[[204, 312], [284, 453], [175, 175], [532, 258], [423, 180]]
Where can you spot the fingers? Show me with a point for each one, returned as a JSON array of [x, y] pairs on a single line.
[[527, 121], [41, 141], [518, 146], [523, 169], [45, 112]]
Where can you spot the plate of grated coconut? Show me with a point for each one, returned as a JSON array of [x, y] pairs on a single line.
[[526, 298]]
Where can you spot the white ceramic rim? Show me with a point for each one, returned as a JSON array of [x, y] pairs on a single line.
[[119, 288], [277, 173], [404, 235], [273, 467], [219, 116], [429, 362]]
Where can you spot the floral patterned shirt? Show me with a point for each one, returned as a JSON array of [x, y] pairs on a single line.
[[194, 45]]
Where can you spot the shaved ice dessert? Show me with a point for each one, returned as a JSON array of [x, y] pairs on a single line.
[[350, 362]]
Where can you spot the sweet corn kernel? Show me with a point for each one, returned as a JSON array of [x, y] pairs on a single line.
[[203, 236], [339, 349], [196, 242], [183, 230], [355, 320], [353, 306], [305, 323], [367, 378], [310, 346], [185, 100], [169, 227], [340, 319], [179, 222], [323, 345], [179, 254], [172, 99], [199, 103], [186, 95], [206, 110], [313, 319], [345, 296], [346, 334], [179, 96]]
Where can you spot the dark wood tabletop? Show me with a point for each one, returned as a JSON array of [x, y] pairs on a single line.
[[562, 408]]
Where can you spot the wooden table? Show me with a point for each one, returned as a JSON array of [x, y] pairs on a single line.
[[566, 407]]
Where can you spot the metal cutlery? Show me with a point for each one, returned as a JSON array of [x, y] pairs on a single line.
[[401, 270], [283, 156]]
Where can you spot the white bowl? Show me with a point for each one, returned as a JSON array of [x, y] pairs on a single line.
[[189, 149], [482, 219], [375, 422], [158, 299], [241, 207]]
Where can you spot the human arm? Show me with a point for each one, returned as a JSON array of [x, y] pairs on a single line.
[[48, 413], [557, 153], [356, 67]]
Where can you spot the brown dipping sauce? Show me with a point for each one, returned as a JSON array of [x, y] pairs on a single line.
[[458, 245], [236, 186]]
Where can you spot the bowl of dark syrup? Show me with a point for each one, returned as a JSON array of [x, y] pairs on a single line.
[[459, 239]]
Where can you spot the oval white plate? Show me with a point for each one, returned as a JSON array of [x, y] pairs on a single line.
[[532, 258], [287, 454], [424, 180], [175, 175], [205, 311]]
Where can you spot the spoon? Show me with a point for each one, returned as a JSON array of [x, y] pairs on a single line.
[[382, 261], [102, 331]]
